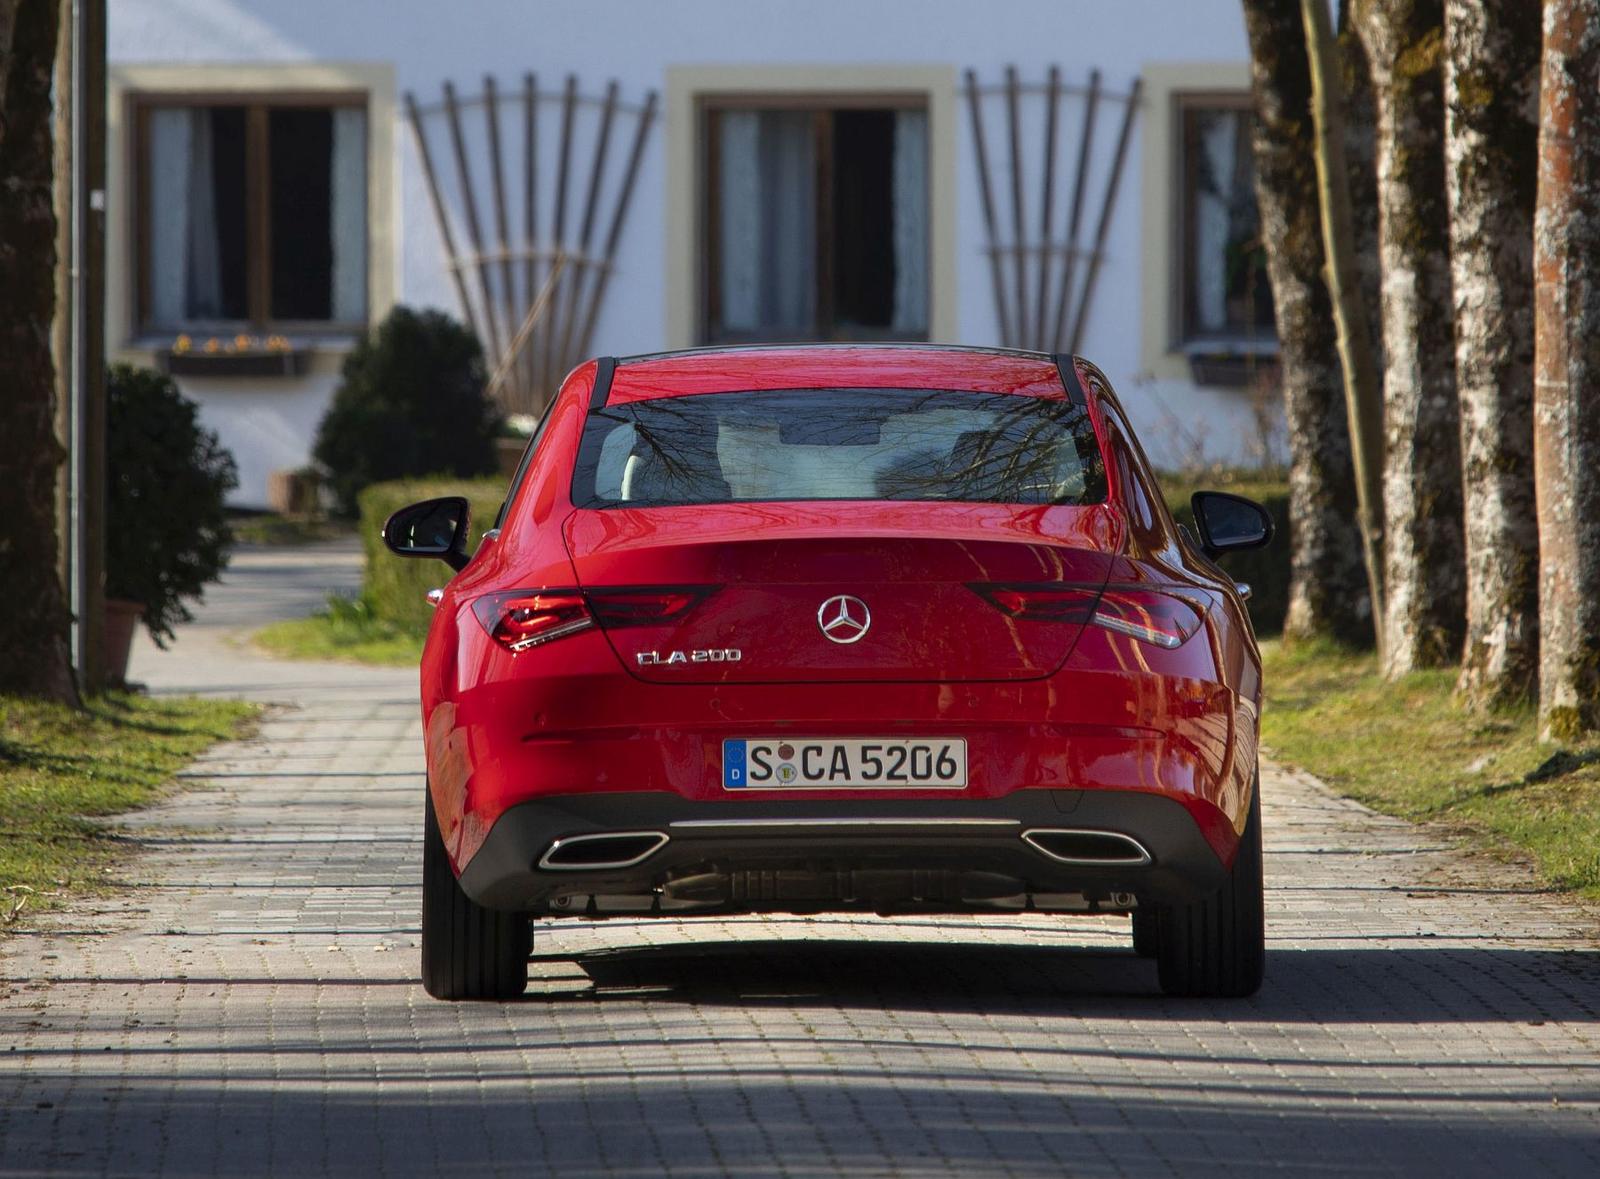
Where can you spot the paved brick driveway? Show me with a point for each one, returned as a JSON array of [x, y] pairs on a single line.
[[251, 1005]]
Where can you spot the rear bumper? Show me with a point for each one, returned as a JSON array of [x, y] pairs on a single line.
[[1110, 848]]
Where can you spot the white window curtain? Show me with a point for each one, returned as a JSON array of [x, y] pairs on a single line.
[[186, 267], [348, 202], [1213, 219], [911, 222], [767, 222]]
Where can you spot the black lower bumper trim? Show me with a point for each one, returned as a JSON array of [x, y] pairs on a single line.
[[858, 853]]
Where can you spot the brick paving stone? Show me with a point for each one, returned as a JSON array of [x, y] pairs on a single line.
[[249, 1005]]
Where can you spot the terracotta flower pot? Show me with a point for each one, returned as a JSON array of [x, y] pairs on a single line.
[[122, 619]]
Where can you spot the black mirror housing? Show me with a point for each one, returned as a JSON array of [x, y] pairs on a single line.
[[432, 528], [1228, 523]]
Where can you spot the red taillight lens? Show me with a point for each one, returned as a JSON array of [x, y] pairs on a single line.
[[643, 607], [1150, 616], [526, 618], [523, 619], [1043, 603], [1146, 615]]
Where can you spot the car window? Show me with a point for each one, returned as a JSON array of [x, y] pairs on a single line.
[[820, 444], [525, 462]]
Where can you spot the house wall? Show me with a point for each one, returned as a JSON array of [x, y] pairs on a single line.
[[642, 44]]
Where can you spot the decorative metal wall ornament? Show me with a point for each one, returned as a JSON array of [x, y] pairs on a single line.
[[533, 302], [1037, 322]]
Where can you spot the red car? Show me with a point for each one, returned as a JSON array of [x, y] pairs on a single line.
[[885, 628]]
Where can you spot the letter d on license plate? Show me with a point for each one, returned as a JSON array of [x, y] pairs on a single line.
[[870, 763]]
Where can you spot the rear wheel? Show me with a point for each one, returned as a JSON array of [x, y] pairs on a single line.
[[468, 952], [1146, 935], [1217, 946]]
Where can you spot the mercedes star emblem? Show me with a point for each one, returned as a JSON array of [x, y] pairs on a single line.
[[844, 619]]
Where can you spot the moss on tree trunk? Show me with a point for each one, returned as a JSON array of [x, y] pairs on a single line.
[[1491, 72], [1425, 598]]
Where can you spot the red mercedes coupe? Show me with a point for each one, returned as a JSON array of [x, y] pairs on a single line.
[[800, 629]]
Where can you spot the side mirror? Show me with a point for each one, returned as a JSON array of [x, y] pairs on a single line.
[[432, 528], [1228, 523]]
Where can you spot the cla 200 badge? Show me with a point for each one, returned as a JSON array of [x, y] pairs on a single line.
[[717, 655]]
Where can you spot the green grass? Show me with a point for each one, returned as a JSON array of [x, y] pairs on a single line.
[[1409, 749], [347, 631], [61, 769], [286, 530]]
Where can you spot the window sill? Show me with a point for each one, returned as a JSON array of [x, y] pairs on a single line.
[[281, 362], [306, 356], [1226, 365]]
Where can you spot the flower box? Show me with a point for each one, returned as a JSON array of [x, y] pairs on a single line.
[[197, 362]]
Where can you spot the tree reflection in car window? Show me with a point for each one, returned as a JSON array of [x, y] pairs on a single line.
[[822, 444]]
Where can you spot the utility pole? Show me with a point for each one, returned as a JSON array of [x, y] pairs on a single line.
[[80, 330]]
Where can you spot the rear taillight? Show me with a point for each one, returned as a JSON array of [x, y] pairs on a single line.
[[1043, 603], [1151, 616], [644, 607], [526, 618], [1147, 615]]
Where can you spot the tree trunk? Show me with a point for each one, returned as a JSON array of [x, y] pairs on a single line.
[[1360, 152], [1566, 410], [1424, 571], [1491, 148], [1363, 393], [34, 656], [1328, 592]]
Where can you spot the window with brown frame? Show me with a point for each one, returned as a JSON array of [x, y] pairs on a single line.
[[815, 218], [1224, 297], [252, 212]]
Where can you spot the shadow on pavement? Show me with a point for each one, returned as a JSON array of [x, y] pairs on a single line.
[[706, 1116], [1392, 984]]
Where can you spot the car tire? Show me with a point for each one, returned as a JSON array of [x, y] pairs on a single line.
[[468, 951], [1216, 947], [1146, 932]]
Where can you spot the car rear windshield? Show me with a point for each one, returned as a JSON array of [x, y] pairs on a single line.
[[824, 444]]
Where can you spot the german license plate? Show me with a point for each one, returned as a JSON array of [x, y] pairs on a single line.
[[818, 764]]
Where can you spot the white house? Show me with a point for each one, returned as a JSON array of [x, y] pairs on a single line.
[[707, 170]]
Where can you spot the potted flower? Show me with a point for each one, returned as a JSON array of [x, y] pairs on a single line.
[[167, 533]]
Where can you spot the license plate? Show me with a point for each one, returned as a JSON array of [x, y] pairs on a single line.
[[871, 763]]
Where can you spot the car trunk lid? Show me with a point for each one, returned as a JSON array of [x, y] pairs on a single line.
[[840, 591]]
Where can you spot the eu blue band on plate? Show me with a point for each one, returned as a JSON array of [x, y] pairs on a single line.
[[733, 775]]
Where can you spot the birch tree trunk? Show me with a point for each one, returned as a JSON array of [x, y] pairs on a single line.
[[1328, 591], [34, 658], [1424, 562], [1491, 151], [1566, 392]]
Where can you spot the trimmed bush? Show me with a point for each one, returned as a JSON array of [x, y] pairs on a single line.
[[410, 403], [167, 533], [1266, 570], [393, 588]]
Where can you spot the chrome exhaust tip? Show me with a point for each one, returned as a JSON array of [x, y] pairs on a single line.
[[606, 849], [1068, 845]]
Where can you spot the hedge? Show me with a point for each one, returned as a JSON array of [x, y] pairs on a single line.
[[394, 588], [1265, 570]]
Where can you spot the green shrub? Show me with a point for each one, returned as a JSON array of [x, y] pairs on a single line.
[[410, 403], [1265, 570], [167, 533], [394, 588]]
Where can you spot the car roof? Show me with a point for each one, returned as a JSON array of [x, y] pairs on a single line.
[[835, 366]]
